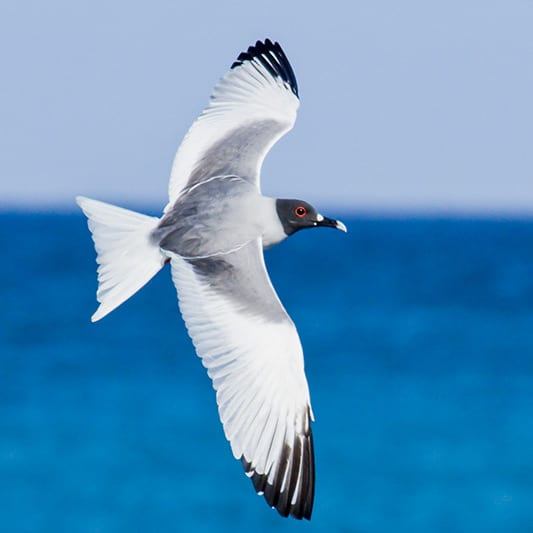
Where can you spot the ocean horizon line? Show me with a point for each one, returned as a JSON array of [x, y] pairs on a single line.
[[356, 211]]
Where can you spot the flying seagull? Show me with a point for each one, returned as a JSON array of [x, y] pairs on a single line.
[[213, 232]]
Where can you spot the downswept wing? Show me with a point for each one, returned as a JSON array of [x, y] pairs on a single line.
[[251, 107], [253, 355]]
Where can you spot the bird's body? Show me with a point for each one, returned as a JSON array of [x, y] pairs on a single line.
[[213, 232], [207, 219]]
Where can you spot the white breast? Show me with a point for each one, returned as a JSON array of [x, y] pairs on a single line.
[[273, 232]]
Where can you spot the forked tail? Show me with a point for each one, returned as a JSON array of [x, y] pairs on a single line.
[[126, 257]]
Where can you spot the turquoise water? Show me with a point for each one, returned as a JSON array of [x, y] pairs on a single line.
[[418, 337]]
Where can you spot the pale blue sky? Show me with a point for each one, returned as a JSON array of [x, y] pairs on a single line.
[[405, 105]]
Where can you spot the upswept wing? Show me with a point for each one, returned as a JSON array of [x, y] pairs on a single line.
[[253, 355], [251, 107]]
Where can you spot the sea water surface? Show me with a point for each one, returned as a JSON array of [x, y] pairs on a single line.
[[418, 339]]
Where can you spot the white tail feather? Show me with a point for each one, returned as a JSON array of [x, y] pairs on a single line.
[[126, 256]]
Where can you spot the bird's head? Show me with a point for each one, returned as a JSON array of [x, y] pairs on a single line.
[[297, 214]]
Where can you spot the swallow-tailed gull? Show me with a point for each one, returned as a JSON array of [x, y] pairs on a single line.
[[213, 232]]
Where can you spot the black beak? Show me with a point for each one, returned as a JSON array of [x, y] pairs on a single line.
[[330, 223]]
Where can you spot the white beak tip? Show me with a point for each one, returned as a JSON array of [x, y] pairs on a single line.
[[341, 226]]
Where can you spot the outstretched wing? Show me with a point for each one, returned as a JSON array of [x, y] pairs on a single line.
[[251, 107], [253, 355]]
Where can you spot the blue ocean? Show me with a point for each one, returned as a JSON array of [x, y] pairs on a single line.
[[418, 338]]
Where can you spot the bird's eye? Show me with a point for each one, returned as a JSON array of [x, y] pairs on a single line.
[[300, 211]]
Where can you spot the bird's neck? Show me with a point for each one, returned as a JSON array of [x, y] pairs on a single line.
[[273, 232]]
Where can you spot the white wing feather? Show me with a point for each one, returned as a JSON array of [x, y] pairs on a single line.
[[257, 371], [248, 94]]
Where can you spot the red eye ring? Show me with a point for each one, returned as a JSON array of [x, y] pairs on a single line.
[[300, 211]]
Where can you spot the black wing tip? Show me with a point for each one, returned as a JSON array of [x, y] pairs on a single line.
[[273, 58], [282, 501]]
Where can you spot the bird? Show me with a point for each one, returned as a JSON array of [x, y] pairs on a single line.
[[213, 232]]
